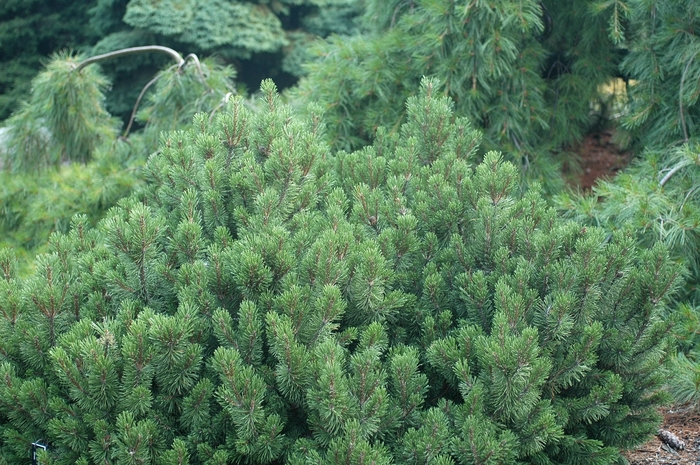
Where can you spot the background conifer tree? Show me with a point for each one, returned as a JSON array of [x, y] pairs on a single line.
[[662, 61], [525, 73], [657, 196], [63, 153], [258, 38]]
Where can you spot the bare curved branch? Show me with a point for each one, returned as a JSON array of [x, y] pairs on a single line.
[[132, 51], [138, 101], [670, 174]]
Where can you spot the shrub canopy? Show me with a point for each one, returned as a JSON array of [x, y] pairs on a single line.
[[262, 300]]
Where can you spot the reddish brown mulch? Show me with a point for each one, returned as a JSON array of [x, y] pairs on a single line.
[[684, 423], [599, 157]]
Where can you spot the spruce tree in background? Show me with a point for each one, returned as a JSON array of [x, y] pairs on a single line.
[[31, 30], [263, 301], [259, 38]]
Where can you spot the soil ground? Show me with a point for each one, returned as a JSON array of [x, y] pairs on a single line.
[[600, 157], [684, 423]]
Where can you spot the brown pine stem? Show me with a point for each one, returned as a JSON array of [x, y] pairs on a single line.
[[138, 102]]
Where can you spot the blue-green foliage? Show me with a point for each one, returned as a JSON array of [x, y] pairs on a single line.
[[662, 61], [210, 24], [261, 38]]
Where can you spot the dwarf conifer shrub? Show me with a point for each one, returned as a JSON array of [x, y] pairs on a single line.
[[263, 301]]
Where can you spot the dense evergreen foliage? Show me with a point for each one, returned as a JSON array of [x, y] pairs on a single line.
[[264, 301], [33, 206], [657, 196], [262, 298], [526, 73], [663, 47], [65, 120], [260, 38]]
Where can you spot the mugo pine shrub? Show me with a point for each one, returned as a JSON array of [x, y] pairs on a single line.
[[262, 301]]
